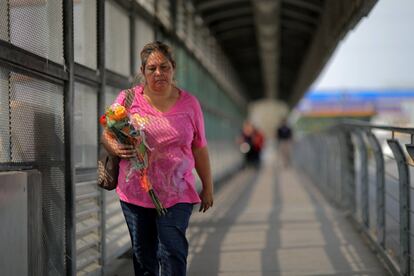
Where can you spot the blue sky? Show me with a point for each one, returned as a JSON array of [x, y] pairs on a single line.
[[377, 54]]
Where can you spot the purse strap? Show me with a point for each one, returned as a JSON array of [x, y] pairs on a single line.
[[130, 94]]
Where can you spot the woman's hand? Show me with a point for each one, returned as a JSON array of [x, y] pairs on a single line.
[[124, 151], [206, 196], [202, 166], [115, 148]]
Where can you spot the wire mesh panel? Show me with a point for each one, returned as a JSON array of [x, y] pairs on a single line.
[[117, 39], [220, 131], [180, 18], [189, 23], [224, 153], [37, 26], [372, 189], [181, 67], [110, 95], [4, 19], [85, 126], [163, 12], [192, 77], [117, 237], [144, 33], [88, 232], [392, 213], [85, 32], [4, 117], [335, 173], [358, 178], [36, 135]]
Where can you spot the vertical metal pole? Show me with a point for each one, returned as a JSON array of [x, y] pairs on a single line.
[[404, 192], [331, 167], [157, 31], [328, 167], [343, 168], [315, 166], [380, 183], [364, 178], [173, 13], [324, 164], [133, 51], [100, 9], [351, 176], [337, 172], [70, 223]]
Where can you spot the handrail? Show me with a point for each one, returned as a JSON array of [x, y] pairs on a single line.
[[362, 124], [349, 148]]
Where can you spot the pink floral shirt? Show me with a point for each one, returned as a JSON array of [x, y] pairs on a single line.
[[170, 135]]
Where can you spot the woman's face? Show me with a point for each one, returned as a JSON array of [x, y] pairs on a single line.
[[158, 72]]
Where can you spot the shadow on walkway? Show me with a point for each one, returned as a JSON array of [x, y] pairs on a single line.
[[273, 221]]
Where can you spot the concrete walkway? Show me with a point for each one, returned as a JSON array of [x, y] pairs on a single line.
[[274, 222]]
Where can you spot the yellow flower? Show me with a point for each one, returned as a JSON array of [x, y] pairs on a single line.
[[119, 113]]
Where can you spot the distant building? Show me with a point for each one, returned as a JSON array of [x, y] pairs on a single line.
[[379, 106]]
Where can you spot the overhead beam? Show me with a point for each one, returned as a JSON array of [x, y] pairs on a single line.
[[232, 24], [305, 4], [242, 42], [245, 51], [235, 33], [300, 16], [297, 26], [214, 4], [266, 15], [230, 13]]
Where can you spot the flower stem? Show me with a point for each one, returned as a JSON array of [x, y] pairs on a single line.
[[161, 211]]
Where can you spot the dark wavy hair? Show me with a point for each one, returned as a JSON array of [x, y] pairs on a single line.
[[156, 46]]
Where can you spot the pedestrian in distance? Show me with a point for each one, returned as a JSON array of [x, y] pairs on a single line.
[[251, 143], [284, 142]]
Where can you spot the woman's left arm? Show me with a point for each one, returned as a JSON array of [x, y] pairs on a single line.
[[202, 166]]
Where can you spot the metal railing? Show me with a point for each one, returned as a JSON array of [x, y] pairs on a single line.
[[365, 169]]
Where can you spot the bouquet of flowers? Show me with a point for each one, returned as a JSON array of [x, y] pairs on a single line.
[[117, 122]]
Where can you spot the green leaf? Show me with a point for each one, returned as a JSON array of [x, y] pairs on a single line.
[[142, 148]]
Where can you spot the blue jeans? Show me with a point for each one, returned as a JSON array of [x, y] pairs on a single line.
[[158, 241]]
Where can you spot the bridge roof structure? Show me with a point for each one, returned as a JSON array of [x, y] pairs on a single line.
[[278, 47]]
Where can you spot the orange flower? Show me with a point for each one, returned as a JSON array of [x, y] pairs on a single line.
[[144, 181]]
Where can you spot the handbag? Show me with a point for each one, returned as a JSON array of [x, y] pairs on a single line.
[[108, 165]]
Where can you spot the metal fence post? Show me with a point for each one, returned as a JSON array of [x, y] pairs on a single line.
[[404, 193], [362, 149], [100, 10], [349, 172], [325, 153], [70, 220], [380, 183], [331, 167], [343, 169], [338, 168]]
